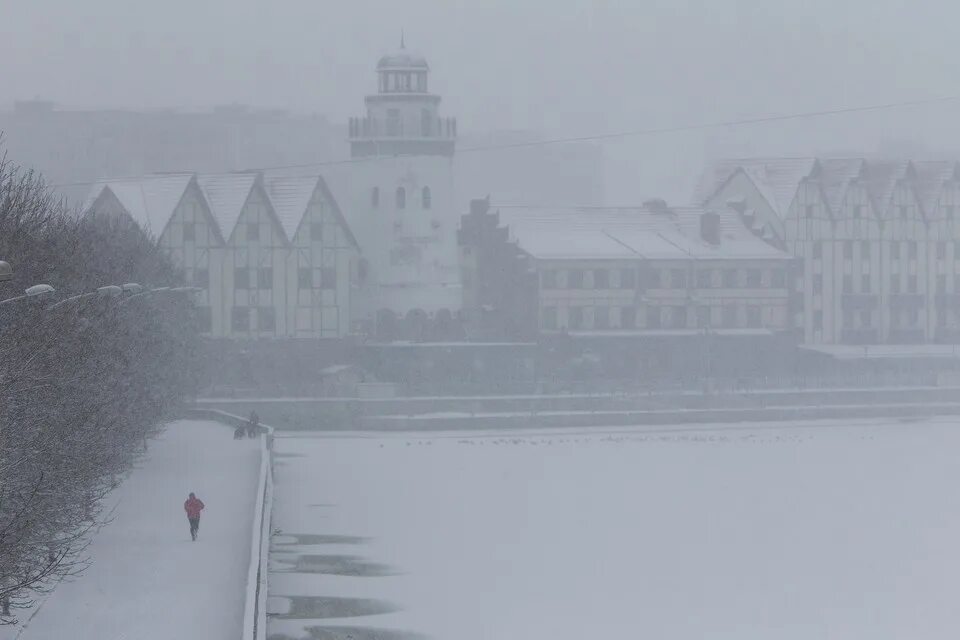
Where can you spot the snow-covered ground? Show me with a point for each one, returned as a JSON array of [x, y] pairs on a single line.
[[798, 531], [147, 579]]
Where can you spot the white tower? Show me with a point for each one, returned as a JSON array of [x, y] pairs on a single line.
[[404, 212]]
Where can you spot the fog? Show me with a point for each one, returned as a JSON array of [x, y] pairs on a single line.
[[479, 319], [565, 68]]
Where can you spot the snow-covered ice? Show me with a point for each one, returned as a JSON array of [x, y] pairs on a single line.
[[147, 579], [747, 532]]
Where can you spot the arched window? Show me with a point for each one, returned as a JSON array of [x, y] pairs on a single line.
[[375, 197], [427, 198], [401, 198]]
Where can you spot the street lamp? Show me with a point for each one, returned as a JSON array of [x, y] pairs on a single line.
[[109, 291], [132, 288], [36, 292], [6, 272]]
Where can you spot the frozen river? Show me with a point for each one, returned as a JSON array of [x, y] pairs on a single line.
[[817, 530]]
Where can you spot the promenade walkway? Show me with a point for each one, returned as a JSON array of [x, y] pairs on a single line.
[[147, 580]]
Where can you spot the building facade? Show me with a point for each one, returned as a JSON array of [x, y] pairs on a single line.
[[400, 194], [272, 256], [878, 242], [645, 271]]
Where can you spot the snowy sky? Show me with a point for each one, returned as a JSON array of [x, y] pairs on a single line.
[[568, 67]]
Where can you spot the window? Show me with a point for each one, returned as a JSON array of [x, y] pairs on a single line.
[[818, 320], [653, 318], [913, 316], [848, 318], [601, 279], [575, 279], [865, 284], [729, 316], [601, 317], [628, 279], [912, 284], [426, 198], [678, 278], [375, 197], [425, 120], [328, 278], [201, 278], [817, 250], [817, 284], [393, 122], [703, 316], [904, 211], [656, 278], [679, 317], [811, 211], [240, 319], [778, 278], [266, 319], [942, 250], [549, 279], [857, 210], [401, 198], [628, 318], [265, 278], [204, 319], [941, 317], [941, 284], [316, 231], [753, 317], [949, 212], [865, 249], [753, 278], [575, 317], [241, 278], [305, 277], [912, 246], [549, 320], [704, 278], [866, 319], [848, 249], [848, 284], [729, 278], [189, 232], [895, 285], [253, 231]]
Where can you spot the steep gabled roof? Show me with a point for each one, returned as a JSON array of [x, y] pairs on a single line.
[[931, 176], [776, 178], [149, 200], [291, 195], [226, 194], [882, 177], [835, 176]]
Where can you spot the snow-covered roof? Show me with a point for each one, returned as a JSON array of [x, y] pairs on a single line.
[[226, 194], [150, 200], [403, 58], [776, 178], [835, 176], [602, 233], [291, 195], [931, 176]]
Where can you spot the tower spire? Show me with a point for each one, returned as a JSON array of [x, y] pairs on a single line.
[[403, 44]]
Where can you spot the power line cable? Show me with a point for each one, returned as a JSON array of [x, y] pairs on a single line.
[[804, 115]]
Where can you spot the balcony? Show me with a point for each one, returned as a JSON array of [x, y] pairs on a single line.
[[425, 129], [859, 301]]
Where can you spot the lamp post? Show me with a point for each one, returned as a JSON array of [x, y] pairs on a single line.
[[6, 271], [36, 292]]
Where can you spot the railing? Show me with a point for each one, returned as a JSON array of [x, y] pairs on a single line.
[[255, 605]]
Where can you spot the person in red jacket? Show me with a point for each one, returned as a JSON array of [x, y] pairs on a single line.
[[193, 506]]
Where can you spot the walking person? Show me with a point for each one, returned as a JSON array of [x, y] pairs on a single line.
[[193, 506], [253, 425]]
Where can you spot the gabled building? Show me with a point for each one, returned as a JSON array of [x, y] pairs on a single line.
[[876, 239], [273, 256]]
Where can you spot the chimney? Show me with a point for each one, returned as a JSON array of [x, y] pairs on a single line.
[[710, 227]]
